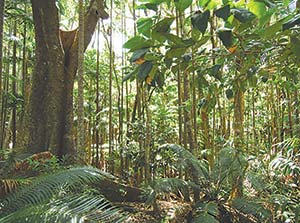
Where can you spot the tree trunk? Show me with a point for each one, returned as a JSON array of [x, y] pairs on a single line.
[[80, 98], [2, 3], [49, 122]]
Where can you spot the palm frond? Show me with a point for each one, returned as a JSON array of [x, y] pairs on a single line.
[[11, 184], [206, 212], [229, 165], [89, 207], [253, 208], [187, 160], [43, 188], [169, 185]]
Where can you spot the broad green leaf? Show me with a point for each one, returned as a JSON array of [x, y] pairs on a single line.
[[144, 26], [175, 52], [223, 12], [152, 56], [270, 31], [137, 42], [213, 4], [200, 21], [138, 54], [215, 71], [243, 15], [131, 75], [258, 8], [182, 5], [291, 23], [150, 6], [163, 25], [144, 70], [175, 39], [161, 28], [225, 36], [203, 3], [160, 79]]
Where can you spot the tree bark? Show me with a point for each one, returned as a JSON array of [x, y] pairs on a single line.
[[50, 110], [2, 5]]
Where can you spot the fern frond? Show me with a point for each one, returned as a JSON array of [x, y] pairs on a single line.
[[88, 207], [44, 187], [9, 185]]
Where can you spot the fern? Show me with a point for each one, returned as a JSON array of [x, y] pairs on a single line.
[[72, 208], [253, 208], [48, 199], [188, 161], [168, 185], [206, 213]]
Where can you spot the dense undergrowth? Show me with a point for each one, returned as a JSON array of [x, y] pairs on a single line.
[[46, 190]]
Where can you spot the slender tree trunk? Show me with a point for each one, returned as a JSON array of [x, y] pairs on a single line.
[[80, 77], [14, 89], [110, 127], [2, 5], [238, 125], [97, 125]]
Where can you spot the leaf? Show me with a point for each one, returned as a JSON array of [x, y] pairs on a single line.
[[163, 25], [200, 21], [137, 42], [179, 42], [182, 5], [243, 15], [270, 31], [226, 37], [258, 8], [175, 52], [160, 80], [131, 75], [145, 69], [138, 54], [223, 12], [215, 71], [203, 3], [161, 28], [213, 4], [144, 26], [150, 6], [291, 23], [229, 93], [251, 207]]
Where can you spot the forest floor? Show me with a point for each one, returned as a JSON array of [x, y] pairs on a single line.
[[170, 211]]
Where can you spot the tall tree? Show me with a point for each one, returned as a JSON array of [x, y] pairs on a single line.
[[50, 109], [2, 3], [80, 127]]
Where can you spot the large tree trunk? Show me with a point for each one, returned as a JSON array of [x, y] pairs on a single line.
[[50, 109]]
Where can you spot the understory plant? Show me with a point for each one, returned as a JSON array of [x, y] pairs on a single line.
[[216, 204], [67, 195]]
